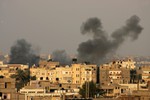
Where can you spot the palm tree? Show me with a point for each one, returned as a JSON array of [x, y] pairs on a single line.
[[22, 78]]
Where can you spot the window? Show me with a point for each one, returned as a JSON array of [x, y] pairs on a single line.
[[47, 78], [41, 78], [77, 75], [77, 69], [77, 81], [57, 79], [7, 85], [117, 87], [5, 97], [122, 90]]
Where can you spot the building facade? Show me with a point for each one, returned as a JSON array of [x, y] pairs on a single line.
[[75, 74]]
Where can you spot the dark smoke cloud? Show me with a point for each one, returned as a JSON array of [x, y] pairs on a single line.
[[97, 48], [61, 56], [22, 53]]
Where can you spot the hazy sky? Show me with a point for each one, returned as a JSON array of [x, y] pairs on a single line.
[[55, 24]]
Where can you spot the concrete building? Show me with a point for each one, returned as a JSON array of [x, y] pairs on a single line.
[[7, 70], [145, 73], [38, 90], [113, 74], [114, 90], [7, 89], [75, 74]]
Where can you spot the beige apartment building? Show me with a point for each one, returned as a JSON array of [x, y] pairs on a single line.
[[7, 70], [145, 73], [74, 74]]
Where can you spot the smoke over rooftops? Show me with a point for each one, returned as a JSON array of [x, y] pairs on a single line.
[[96, 49], [61, 56], [23, 53]]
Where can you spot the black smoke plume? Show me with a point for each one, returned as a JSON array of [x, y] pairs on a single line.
[[61, 56], [96, 49], [22, 53]]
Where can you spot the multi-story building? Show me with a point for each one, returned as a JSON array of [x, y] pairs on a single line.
[[116, 72], [145, 73], [75, 74], [7, 89], [7, 70]]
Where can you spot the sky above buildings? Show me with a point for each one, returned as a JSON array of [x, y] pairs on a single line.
[[55, 24]]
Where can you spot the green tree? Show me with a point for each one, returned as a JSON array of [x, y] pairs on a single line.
[[133, 75], [22, 78], [93, 90]]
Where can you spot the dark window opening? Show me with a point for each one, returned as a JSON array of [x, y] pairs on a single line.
[[5, 85], [57, 79], [41, 78], [5, 97], [47, 78], [17, 68]]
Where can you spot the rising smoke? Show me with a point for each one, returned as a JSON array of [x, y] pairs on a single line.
[[23, 53], [61, 56], [96, 49]]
